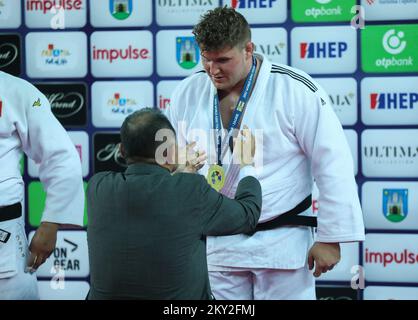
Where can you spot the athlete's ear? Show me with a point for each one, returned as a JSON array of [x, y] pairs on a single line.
[[249, 49]]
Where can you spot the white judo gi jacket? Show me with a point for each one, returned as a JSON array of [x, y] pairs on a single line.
[[302, 140], [28, 125]]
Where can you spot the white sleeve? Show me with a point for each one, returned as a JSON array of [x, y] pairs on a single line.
[[46, 142], [322, 139]]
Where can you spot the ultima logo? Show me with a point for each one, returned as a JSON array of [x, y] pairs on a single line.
[[386, 258], [396, 152], [46, 5], [393, 100], [121, 105], [322, 49], [248, 4], [124, 54], [55, 56]]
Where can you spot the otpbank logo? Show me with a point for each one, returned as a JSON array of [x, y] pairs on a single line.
[[56, 54], [319, 50], [322, 10], [55, 13], [260, 11], [128, 54], [395, 48], [389, 101]]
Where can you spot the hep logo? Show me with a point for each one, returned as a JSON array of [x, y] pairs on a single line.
[[393, 100], [248, 4], [322, 49], [392, 42]]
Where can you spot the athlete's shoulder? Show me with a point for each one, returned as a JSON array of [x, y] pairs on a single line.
[[14, 86], [196, 81], [295, 78]]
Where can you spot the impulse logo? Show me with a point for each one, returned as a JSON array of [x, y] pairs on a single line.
[[46, 5], [248, 4], [121, 105], [393, 100], [163, 102], [311, 50], [387, 258], [55, 56], [120, 54]]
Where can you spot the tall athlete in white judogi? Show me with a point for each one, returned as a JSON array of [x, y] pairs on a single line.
[[28, 125], [302, 141]]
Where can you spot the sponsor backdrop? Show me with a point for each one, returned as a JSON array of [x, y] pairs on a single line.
[[97, 61]]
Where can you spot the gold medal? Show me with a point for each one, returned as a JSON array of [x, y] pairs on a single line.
[[216, 177]]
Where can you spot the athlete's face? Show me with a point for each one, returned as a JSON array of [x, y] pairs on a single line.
[[228, 66]]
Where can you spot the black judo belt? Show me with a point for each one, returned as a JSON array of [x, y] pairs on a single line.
[[13, 211], [290, 218]]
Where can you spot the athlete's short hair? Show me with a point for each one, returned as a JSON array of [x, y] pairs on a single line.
[[221, 28]]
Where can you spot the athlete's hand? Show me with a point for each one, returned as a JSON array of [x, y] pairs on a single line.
[[191, 160], [244, 148], [324, 256], [42, 245]]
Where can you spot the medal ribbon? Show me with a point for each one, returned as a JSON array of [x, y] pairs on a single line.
[[222, 146]]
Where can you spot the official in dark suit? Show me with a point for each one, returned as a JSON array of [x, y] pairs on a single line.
[[147, 227]]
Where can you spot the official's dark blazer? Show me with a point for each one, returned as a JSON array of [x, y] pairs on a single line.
[[147, 231]]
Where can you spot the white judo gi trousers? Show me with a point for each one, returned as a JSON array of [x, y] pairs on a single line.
[[15, 283], [263, 284]]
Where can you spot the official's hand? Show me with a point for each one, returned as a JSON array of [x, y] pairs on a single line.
[[42, 245], [324, 256], [244, 147], [191, 160]]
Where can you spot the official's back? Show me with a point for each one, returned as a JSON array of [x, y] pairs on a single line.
[[144, 235]]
